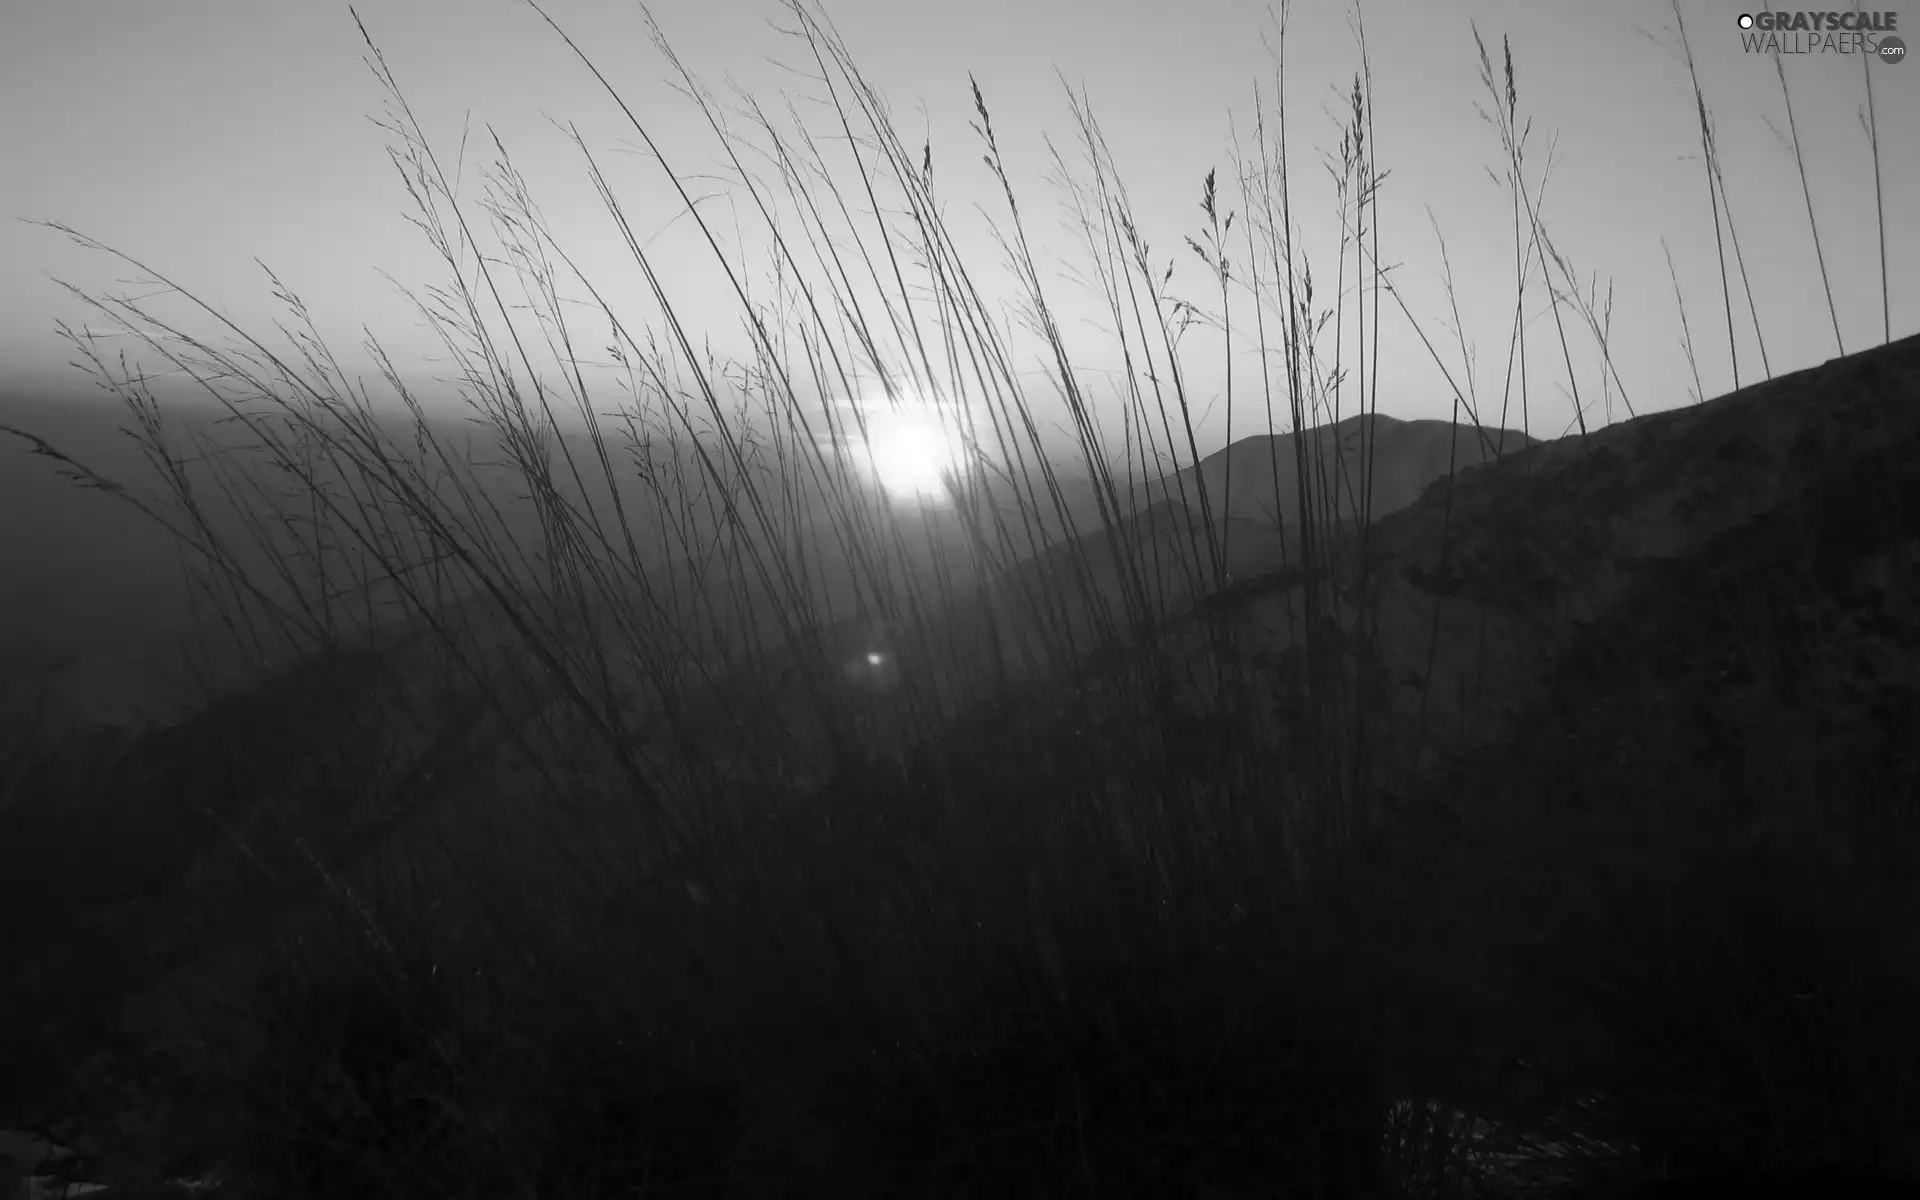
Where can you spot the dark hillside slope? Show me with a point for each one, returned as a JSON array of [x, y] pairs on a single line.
[[1481, 587], [1632, 721], [1602, 759]]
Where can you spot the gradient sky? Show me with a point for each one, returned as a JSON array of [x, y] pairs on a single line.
[[201, 134]]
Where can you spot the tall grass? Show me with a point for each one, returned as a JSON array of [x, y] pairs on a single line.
[[602, 880]]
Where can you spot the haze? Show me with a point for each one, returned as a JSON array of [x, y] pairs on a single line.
[[201, 135]]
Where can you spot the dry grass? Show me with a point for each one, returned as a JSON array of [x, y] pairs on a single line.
[[568, 901]]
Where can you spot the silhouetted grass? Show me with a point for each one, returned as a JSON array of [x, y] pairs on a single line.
[[596, 874]]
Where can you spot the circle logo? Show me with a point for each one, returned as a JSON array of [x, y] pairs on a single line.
[[1892, 50], [1746, 20]]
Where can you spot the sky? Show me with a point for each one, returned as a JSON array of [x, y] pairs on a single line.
[[202, 135]]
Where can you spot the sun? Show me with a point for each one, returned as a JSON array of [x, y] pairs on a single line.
[[910, 455]]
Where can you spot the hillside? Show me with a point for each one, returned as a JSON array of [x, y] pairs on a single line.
[[1662, 673], [1402, 458], [1690, 622]]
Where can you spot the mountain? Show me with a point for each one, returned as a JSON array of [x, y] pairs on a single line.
[[1585, 678], [1401, 458], [1166, 558]]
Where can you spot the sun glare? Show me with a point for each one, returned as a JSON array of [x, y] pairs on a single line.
[[911, 455]]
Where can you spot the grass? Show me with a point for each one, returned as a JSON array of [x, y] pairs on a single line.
[[551, 894]]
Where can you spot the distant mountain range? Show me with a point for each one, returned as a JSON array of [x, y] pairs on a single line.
[[1402, 458], [86, 554], [1365, 466]]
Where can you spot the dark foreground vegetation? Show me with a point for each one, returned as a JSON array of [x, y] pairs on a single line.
[[1551, 836]]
